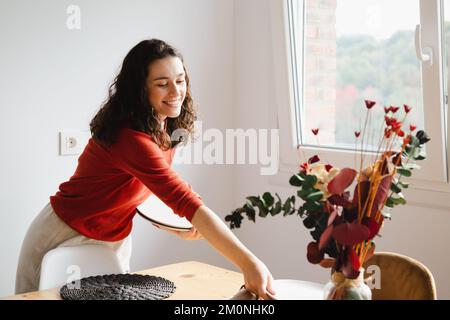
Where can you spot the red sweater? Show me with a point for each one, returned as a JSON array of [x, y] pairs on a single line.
[[100, 199]]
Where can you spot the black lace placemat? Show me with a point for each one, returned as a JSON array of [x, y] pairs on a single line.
[[118, 287]]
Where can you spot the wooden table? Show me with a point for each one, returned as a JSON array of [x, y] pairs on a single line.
[[194, 281]]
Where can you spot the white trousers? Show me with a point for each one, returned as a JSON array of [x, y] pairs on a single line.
[[48, 232]]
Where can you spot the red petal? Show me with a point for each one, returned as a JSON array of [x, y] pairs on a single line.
[[349, 234], [314, 159], [341, 182], [394, 109], [369, 104], [387, 109], [314, 255], [396, 125], [387, 133], [387, 120], [361, 191], [412, 127], [373, 225], [354, 259], [338, 200], [304, 167], [325, 237], [407, 108], [327, 263], [348, 265], [331, 217], [382, 194], [328, 167]]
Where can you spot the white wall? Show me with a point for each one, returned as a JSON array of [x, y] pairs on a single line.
[[53, 78], [280, 242]]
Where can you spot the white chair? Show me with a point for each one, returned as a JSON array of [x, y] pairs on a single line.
[[67, 264]]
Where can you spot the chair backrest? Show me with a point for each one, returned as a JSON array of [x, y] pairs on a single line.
[[67, 264], [401, 278]]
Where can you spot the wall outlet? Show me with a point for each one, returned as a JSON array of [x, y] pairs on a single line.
[[73, 142]]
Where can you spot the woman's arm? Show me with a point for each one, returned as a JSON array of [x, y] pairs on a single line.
[[191, 234], [256, 275]]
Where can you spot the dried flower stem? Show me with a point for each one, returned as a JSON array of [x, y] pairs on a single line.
[[363, 138], [361, 162], [376, 175], [373, 190], [366, 250], [375, 181]]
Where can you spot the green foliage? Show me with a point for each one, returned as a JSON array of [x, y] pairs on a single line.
[[297, 180], [309, 182], [413, 152], [404, 172], [268, 199], [387, 70], [312, 209], [319, 213], [314, 196], [267, 203]]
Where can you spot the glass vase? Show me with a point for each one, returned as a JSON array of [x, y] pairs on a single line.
[[341, 288]]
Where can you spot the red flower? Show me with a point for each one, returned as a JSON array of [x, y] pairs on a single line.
[[412, 127], [394, 109], [407, 108], [349, 234], [406, 141], [387, 133], [387, 109], [314, 255], [357, 134], [341, 181], [389, 121], [328, 167], [314, 159], [369, 104], [395, 124], [315, 131], [303, 167]]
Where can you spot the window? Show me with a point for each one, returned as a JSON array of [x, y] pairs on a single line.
[[350, 57], [446, 54], [339, 53]]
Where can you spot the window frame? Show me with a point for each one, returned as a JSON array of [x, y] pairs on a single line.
[[430, 185]]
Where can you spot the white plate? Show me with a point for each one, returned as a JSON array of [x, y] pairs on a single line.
[[287, 289], [158, 213]]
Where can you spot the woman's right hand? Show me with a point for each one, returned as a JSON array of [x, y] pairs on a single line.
[[258, 279]]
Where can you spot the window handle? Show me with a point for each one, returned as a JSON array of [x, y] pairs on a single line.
[[423, 54]]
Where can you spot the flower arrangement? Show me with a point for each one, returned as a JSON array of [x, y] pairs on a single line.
[[343, 225]]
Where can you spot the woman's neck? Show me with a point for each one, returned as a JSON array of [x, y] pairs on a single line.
[[163, 124]]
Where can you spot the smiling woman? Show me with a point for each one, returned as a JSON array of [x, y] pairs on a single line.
[[151, 94], [167, 87], [129, 158]]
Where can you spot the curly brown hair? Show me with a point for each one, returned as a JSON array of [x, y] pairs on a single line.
[[128, 105]]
